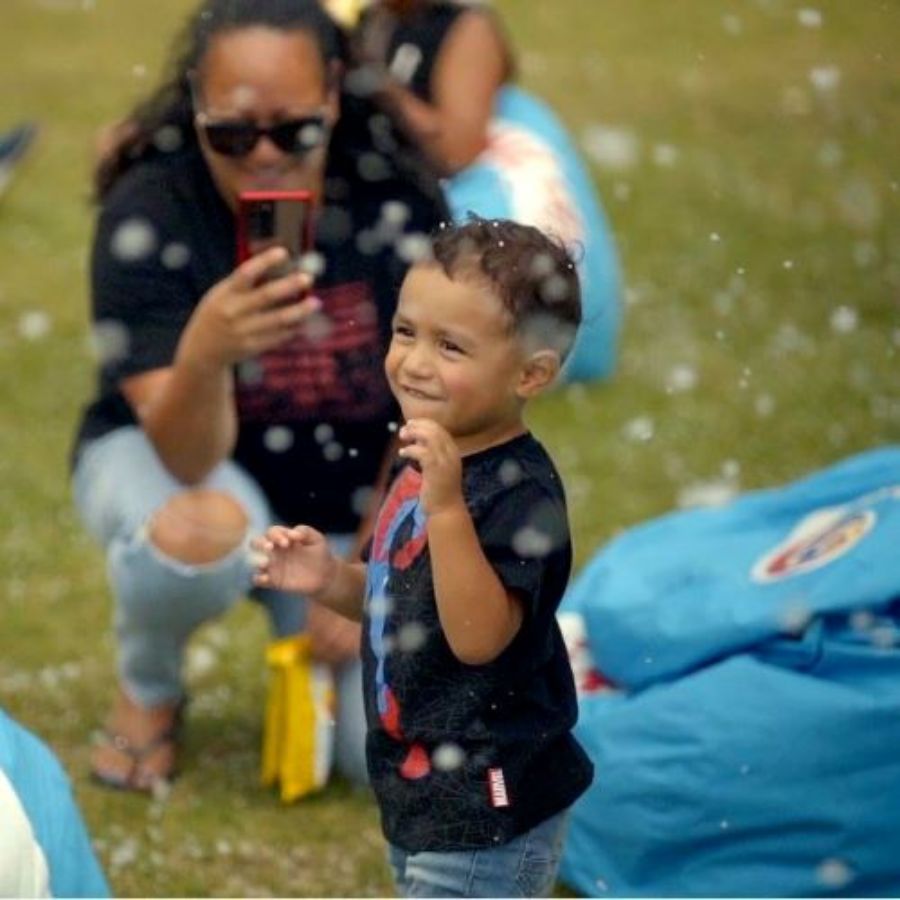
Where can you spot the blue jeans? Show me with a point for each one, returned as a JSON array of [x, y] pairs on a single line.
[[524, 867], [119, 483]]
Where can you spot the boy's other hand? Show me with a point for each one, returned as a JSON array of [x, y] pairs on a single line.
[[432, 447], [294, 559]]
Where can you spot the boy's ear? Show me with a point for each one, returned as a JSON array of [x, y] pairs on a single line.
[[538, 373]]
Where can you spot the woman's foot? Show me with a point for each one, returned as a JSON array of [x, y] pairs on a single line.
[[137, 750]]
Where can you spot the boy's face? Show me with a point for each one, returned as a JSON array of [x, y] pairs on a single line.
[[454, 359]]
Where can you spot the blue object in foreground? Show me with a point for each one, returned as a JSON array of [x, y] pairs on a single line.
[[751, 749], [531, 172], [45, 850]]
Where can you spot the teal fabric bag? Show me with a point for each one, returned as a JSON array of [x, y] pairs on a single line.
[[749, 747]]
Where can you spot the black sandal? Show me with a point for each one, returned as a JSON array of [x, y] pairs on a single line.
[[135, 779]]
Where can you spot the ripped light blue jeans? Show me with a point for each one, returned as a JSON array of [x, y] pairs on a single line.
[[526, 866], [119, 483]]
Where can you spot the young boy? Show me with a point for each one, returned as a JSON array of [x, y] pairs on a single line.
[[470, 700]]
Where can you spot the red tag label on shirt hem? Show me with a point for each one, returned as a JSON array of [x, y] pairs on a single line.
[[497, 788]]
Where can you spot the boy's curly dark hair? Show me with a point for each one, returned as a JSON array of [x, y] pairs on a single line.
[[533, 274]]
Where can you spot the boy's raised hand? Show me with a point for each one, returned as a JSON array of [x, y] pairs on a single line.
[[432, 447], [294, 559]]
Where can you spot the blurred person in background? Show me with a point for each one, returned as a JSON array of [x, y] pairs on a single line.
[[445, 70], [227, 401], [439, 66]]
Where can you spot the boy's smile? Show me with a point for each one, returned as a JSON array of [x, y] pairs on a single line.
[[455, 358]]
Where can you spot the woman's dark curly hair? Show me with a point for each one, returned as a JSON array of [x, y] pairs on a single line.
[[164, 120]]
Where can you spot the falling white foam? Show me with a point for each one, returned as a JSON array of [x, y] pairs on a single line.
[[278, 439], [34, 325], [611, 148], [809, 17], [844, 320]]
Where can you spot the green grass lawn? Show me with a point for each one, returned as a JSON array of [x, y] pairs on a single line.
[[746, 152]]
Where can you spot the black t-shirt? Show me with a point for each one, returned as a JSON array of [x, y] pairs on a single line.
[[314, 414], [464, 756]]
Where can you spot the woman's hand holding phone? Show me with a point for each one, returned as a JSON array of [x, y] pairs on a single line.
[[248, 313]]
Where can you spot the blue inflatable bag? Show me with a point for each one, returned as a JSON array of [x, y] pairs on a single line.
[[531, 172], [750, 749]]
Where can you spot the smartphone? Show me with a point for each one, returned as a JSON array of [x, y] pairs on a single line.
[[271, 218]]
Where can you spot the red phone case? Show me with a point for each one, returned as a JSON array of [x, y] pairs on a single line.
[[248, 201]]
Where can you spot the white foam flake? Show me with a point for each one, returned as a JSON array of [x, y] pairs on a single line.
[[134, 239], [168, 139], [844, 320], [764, 405], [278, 439], [510, 472], [411, 637], [373, 167], [175, 256], [681, 378], [323, 433], [312, 263], [809, 17], [834, 873], [554, 289], [531, 542], [361, 501], [201, 660], [731, 469], [794, 616], [34, 325], [732, 24], [124, 854], [395, 213], [825, 78], [380, 606], [414, 247], [250, 372], [109, 341], [610, 147], [713, 492], [862, 620], [665, 155], [448, 757], [639, 430], [317, 327]]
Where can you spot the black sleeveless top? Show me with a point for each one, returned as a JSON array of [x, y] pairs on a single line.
[[416, 42]]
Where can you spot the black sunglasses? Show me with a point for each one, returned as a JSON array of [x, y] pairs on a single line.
[[236, 138]]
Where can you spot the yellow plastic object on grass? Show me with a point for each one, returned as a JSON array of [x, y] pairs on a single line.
[[298, 732]]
